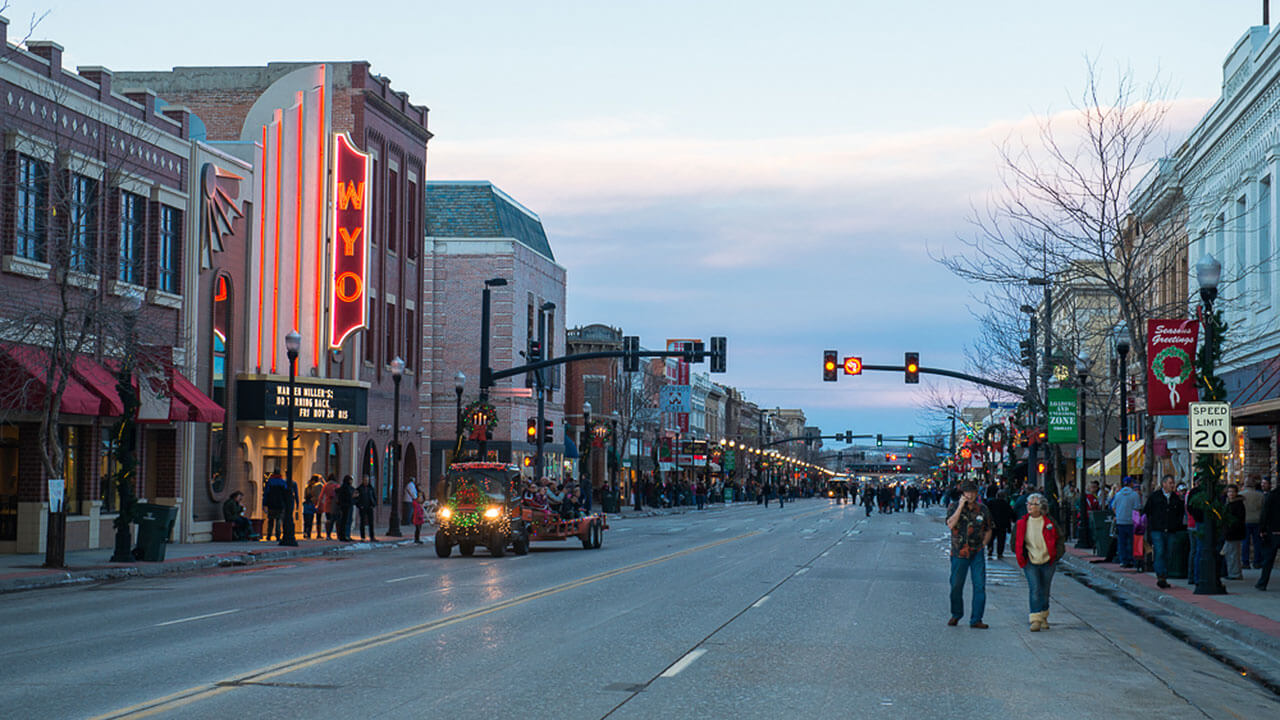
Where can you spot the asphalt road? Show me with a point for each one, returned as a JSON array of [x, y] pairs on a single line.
[[745, 612]]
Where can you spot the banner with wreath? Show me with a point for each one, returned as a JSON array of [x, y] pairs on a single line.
[[1171, 355], [478, 420]]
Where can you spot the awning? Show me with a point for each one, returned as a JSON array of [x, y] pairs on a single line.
[[1136, 454], [23, 384], [190, 404], [570, 449]]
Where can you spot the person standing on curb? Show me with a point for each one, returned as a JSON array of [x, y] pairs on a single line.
[[971, 528], [1269, 530], [366, 501], [329, 505], [419, 513], [1233, 533], [346, 501], [1253, 500], [1164, 511], [274, 497], [1038, 546], [311, 505], [1123, 504]]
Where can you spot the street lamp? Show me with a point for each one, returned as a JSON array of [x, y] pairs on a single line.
[[1208, 275], [1033, 395], [397, 373], [584, 471], [952, 408], [1122, 349], [292, 343], [485, 371], [1082, 375], [459, 384]]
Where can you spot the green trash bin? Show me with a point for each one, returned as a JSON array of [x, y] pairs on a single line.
[[1103, 541], [154, 522], [1179, 548], [728, 495]]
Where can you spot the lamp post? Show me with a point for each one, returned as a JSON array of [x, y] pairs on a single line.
[[950, 475], [1122, 349], [1082, 375], [397, 373], [539, 378], [1050, 484], [1033, 397], [292, 343], [584, 450], [1208, 274], [459, 384], [485, 371]]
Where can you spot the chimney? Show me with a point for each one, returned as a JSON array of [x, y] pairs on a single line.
[[100, 76], [50, 51], [4, 32], [145, 98], [181, 115]]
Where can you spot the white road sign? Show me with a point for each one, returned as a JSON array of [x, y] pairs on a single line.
[[1210, 427]]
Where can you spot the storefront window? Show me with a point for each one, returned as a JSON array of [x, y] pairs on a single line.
[[8, 482]]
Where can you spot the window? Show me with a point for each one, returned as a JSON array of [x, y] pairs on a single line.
[[1242, 224], [393, 208], [84, 224], [412, 236], [170, 245], [593, 392], [32, 205], [390, 333], [410, 334], [1264, 240], [372, 319], [133, 214], [1220, 238]]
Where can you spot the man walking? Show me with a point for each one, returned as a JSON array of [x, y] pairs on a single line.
[[1164, 511], [274, 497], [1123, 504], [1269, 529], [1253, 498], [366, 501], [970, 523]]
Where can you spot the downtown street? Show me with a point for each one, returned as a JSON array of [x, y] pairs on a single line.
[[739, 611]]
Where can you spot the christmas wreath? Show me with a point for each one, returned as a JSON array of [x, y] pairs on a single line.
[[479, 419], [1172, 381]]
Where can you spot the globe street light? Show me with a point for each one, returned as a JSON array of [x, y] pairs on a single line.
[[584, 472], [397, 372], [1083, 363], [1208, 275], [459, 384], [292, 344], [1122, 349]]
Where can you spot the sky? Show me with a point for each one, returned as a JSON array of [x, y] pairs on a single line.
[[778, 173]]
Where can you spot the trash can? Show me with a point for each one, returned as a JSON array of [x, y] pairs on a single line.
[[1103, 541], [154, 522], [1179, 549], [609, 501], [728, 495]]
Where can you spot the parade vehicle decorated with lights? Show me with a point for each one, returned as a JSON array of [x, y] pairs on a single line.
[[482, 506]]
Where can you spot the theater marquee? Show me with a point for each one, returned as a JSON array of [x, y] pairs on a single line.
[[320, 404]]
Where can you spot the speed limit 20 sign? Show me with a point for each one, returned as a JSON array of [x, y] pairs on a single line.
[[1210, 427]]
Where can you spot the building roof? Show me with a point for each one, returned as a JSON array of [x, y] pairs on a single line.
[[478, 209]]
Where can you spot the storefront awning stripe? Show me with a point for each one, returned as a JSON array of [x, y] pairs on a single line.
[[27, 392], [190, 404]]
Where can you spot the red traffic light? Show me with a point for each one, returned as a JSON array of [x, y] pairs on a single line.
[[853, 366]]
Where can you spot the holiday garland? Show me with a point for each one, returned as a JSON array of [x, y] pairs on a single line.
[[1212, 389]]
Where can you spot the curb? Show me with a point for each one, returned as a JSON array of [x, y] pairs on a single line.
[[1240, 633], [52, 578]]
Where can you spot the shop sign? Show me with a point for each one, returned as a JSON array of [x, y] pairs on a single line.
[[350, 257], [328, 404], [1171, 379], [1062, 416]]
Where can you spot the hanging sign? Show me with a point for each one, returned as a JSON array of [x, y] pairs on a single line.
[[1062, 416], [350, 242], [1171, 352]]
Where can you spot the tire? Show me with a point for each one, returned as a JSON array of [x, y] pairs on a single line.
[[466, 548], [585, 537], [597, 535], [443, 546], [520, 545], [498, 545]]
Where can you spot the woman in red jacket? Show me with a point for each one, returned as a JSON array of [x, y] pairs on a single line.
[[1038, 546]]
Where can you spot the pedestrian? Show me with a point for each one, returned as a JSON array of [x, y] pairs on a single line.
[[233, 512], [419, 514], [700, 493], [1252, 546], [346, 502], [584, 488], [311, 505], [1269, 531], [1088, 503], [971, 528], [329, 505], [868, 498], [1123, 504], [366, 501], [1233, 533], [1164, 511], [1002, 521], [274, 497], [1038, 546]]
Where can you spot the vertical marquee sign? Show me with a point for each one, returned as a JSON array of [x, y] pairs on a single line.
[[350, 257]]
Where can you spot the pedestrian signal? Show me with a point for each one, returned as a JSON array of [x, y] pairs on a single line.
[[829, 365]]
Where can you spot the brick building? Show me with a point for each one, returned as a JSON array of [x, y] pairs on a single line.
[[94, 193], [476, 232], [344, 269], [599, 382]]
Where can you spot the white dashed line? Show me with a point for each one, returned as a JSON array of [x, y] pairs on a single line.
[[760, 602], [802, 571], [683, 663], [196, 617], [410, 577]]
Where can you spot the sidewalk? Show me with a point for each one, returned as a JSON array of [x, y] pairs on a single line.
[[25, 572], [1246, 614]]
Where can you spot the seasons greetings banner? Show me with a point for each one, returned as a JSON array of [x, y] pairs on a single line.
[[1171, 378]]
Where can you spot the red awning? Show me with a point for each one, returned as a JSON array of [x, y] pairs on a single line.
[[101, 382], [23, 384], [190, 404]]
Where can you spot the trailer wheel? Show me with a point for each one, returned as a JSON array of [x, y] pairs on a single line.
[[585, 537], [443, 546], [520, 545], [597, 535], [466, 548]]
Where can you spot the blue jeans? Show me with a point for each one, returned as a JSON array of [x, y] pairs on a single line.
[[1039, 578], [1124, 544], [1160, 540], [1251, 550], [976, 567], [1193, 562]]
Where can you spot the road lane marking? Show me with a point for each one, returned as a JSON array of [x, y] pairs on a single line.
[[409, 577], [802, 571], [196, 617], [182, 698], [761, 601], [683, 663]]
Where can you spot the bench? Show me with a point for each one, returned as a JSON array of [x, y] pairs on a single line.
[[222, 530]]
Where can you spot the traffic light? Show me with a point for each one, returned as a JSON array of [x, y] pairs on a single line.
[[718, 354], [631, 360], [531, 431], [1027, 352], [912, 367], [911, 441], [829, 365], [848, 436], [548, 431], [528, 461], [879, 440], [1040, 467], [694, 352], [535, 351]]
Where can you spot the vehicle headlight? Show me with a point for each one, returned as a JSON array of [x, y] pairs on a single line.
[[492, 513], [446, 513]]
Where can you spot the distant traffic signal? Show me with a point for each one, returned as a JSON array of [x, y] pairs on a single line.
[[717, 354], [1040, 467], [911, 441], [1027, 353], [631, 346], [531, 431], [548, 431], [829, 365], [911, 365], [879, 440]]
